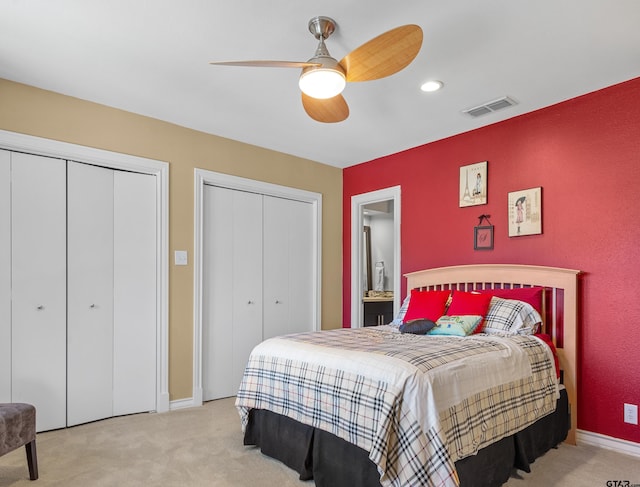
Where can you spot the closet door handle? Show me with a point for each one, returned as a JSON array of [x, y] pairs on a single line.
[[40, 308], [278, 302], [249, 302], [92, 306]]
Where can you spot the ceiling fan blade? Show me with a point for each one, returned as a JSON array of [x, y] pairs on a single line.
[[384, 55], [328, 110], [267, 64]]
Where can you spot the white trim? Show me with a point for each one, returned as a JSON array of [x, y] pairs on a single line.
[[202, 177], [63, 150], [608, 442], [183, 404], [357, 202]]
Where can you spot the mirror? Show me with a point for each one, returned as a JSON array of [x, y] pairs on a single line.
[[366, 264], [378, 247]]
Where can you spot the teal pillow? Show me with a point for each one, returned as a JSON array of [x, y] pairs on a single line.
[[456, 325]]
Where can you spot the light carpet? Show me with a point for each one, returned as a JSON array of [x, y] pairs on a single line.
[[203, 447]]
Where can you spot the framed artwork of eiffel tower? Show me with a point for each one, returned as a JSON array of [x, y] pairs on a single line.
[[473, 184]]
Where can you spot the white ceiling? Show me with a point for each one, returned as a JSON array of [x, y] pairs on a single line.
[[151, 57]]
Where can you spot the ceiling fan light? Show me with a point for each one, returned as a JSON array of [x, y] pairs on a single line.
[[432, 85], [322, 82]]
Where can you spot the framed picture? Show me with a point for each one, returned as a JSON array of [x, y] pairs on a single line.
[[525, 212], [483, 238], [473, 184]]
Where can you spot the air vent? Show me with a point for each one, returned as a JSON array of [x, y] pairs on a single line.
[[490, 107]]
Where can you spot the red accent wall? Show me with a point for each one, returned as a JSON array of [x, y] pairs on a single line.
[[585, 154]]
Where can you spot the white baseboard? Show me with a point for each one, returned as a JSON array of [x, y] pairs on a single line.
[[608, 442], [182, 404]]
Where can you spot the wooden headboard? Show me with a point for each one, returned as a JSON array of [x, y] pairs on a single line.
[[560, 313]]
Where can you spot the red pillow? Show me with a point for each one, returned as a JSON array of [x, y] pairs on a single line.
[[464, 303], [426, 305], [531, 295]]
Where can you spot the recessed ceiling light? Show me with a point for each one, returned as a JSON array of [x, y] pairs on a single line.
[[432, 85]]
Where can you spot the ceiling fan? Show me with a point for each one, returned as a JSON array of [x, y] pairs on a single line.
[[323, 78]]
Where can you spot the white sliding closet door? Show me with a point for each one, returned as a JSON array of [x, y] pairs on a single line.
[[288, 266], [38, 282], [90, 293], [5, 276], [232, 286], [134, 274]]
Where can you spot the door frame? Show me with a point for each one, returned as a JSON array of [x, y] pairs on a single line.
[[62, 150], [204, 177], [357, 243]]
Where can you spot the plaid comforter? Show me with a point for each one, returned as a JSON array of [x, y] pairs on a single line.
[[417, 404]]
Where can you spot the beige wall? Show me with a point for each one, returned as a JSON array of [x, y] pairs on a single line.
[[32, 111]]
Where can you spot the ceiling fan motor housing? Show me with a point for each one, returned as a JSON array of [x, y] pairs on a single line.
[[322, 27]]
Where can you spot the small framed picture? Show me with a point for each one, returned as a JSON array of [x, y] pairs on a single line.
[[473, 184], [483, 238], [525, 212]]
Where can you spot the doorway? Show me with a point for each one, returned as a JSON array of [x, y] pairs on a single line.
[[375, 257]]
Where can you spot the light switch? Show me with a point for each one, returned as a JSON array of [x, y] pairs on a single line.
[[181, 257]]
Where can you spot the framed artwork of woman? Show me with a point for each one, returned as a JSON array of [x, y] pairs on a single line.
[[525, 212]]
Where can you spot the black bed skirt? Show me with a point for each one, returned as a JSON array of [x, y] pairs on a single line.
[[334, 462]]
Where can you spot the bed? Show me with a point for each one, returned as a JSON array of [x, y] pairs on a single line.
[[373, 406]]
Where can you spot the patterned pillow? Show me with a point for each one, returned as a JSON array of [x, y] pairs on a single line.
[[456, 325], [399, 319], [509, 316]]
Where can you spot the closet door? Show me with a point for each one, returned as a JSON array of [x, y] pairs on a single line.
[[90, 293], [111, 293], [288, 266], [217, 299], [5, 276], [232, 287], [134, 302], [246, 280], [38, 282]]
